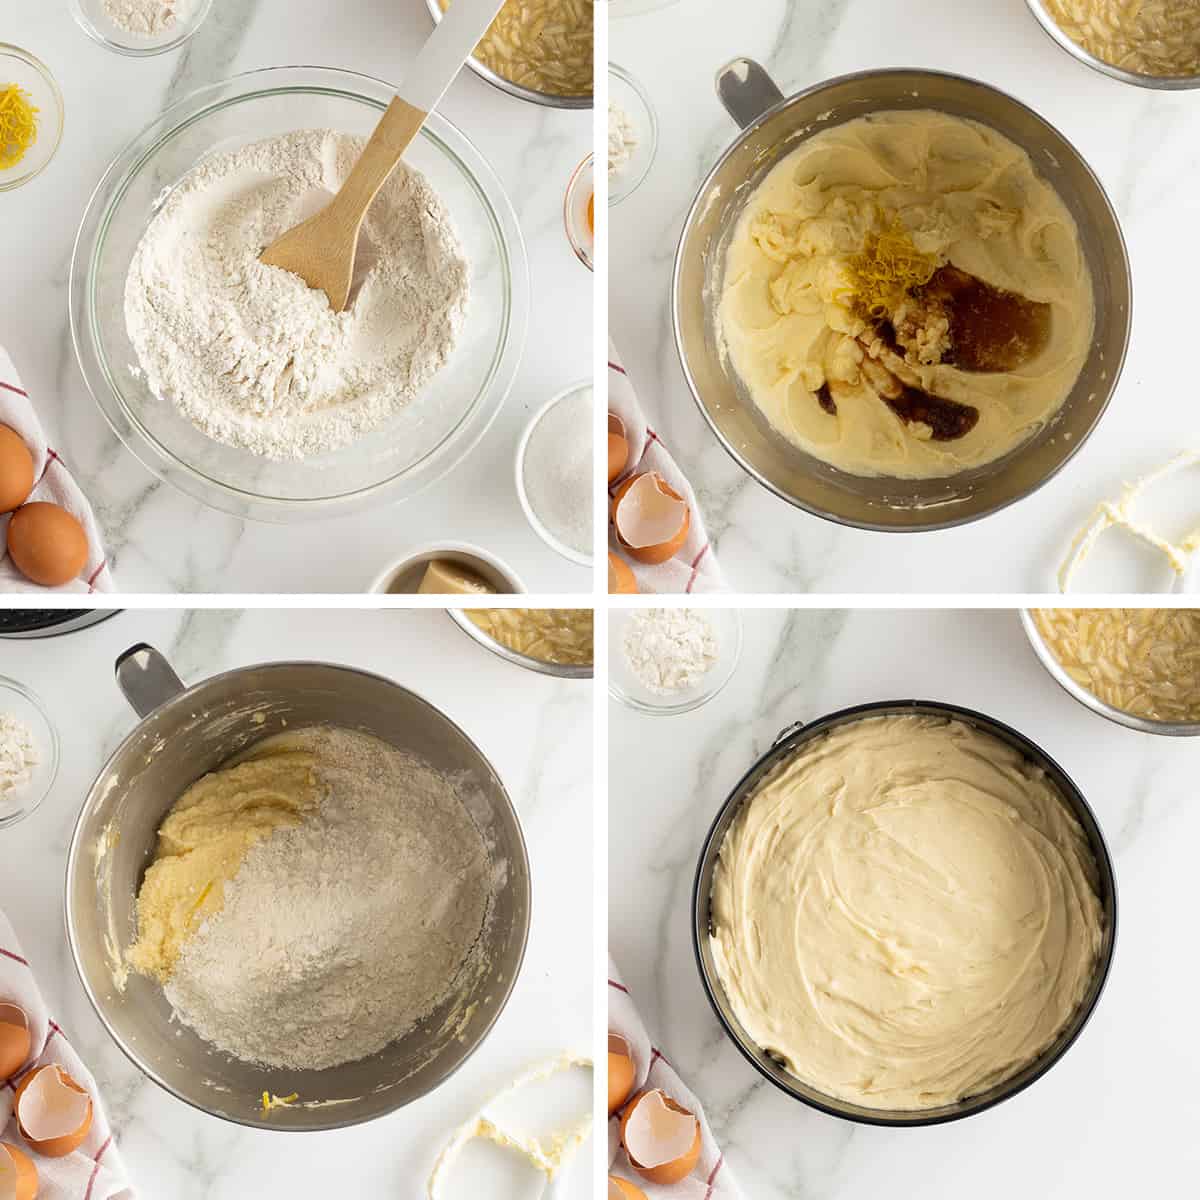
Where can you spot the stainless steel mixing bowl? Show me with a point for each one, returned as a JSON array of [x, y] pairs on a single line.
[[559, 670], [784, 746], [773, 126], [1091, 701], [1168, 83], [186, 732], [548, 99]]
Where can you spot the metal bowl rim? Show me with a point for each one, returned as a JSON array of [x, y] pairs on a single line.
[[1161, 83], [924, 526], [516, 90], [74, 852], [786, 745], [557, 670], [1090, 700]]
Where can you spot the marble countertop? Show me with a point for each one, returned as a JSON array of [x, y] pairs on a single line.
[[1117, 1114], [540, 744], [1140, 142], [161, 540]]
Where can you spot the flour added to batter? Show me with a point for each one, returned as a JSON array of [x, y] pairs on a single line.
[[311, 904], [905, 296], [253, 356]]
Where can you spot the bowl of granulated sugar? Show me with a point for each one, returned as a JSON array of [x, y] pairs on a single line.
[[555, 473]]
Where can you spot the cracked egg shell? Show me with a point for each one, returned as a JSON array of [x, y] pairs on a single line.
[[14, 1039], [53, 1112], [622, 1189], [651, 520], [661, 1137], [18, 1175], [621, 1074], [618, 447], [620, 577]]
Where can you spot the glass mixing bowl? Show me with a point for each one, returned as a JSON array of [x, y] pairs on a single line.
[[411, 450]]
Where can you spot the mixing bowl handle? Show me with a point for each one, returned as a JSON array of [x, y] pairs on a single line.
[[146, 678], [746, 90]]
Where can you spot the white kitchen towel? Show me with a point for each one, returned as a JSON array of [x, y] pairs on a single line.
[[694, 568], [712, 1179], [94, 1171], [55, 484]]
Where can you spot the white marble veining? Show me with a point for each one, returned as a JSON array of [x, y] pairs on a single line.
[[159, 539], [1142, 145], [1118, 1114], [539, 741]]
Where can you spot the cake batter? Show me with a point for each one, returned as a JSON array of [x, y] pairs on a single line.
[[929, 200], [905, 913]]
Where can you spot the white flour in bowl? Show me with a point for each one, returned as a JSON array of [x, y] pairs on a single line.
[[18, 755], [338, 935], [253, 356], [150, 18]]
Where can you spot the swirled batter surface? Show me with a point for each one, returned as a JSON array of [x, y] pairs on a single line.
[[960, 195], [905, 913]]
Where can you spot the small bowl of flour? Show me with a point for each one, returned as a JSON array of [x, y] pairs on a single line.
[[140, 27], [632, 134], [28, 752], [671, 660]]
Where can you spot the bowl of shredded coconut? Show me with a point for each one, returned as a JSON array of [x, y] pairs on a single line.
[[28, 752], [236, 382], [140, 27], [1149, 43], [671, 660]]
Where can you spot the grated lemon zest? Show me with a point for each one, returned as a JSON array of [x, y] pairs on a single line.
[[887, 269], [18, 125]]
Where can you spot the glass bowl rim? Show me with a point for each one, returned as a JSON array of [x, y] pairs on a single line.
[[9, 50], [133, 51], [148, 449], [8, 684], [535, 522], [701, 698], [617, 195]]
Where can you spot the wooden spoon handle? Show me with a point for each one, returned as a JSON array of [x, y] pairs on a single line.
[[396, 129]]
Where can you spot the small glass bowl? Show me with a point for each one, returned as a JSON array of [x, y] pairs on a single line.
[[581, 192], [626, 687], [18, 701], [33, 77], [91, 17], [628, 94], [535, 522]]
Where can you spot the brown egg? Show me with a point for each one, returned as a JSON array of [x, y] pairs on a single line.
[[651, 520], [18, 1175], [661, 1137], [621, 1073], [16, 470], [53, 1112], [622, 1189], [620, 577], [47, 544], [618, 446], [14, 1039]]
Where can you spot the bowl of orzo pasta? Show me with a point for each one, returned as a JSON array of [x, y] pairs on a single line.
[[1139, 667]]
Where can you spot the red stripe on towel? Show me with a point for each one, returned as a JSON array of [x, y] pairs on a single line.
[[696, 567], [15, 957], [712, 1179], [12, 387], [612, 366], [96, 1169], [612, 983]]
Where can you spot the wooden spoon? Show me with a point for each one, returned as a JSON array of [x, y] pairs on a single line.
[[321, 250]]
